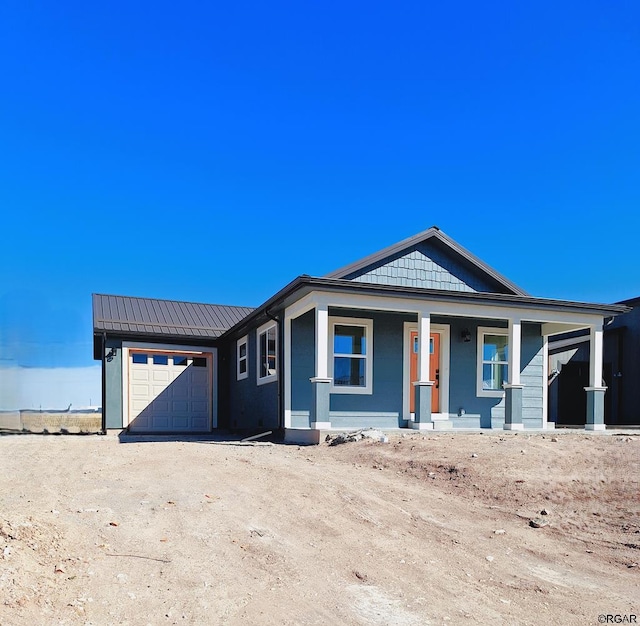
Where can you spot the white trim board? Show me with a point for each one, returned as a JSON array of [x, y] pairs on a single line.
[[445, 368]]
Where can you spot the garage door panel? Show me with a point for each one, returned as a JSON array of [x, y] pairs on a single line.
[[140, 391], [161, 376], [177, 396], [140, 404], [143, 422], [199, 423], [200, 406], [199, 392], [180, 422], [199, 377], [160, 422], [179, 390]]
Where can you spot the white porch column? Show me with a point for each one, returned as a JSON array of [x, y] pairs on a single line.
[[515, 350], [424, 343], [423, 386], [287, 371], [595, 390], [513, 389], [322, 341], [595, 356], [321, 383]]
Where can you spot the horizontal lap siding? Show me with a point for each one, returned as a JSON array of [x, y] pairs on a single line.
[[383, 408], [532, 375], [302, 368], [113, 385], [251, 406], [386, 399]]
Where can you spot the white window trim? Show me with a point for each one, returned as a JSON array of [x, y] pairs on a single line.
[[482, 331], [243, 341], [270, 377], [367, 324]]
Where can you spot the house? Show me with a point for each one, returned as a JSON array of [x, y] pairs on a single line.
[[569, 366], [422, 334]]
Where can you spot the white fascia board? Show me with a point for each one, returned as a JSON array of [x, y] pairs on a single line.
[[302, 306], [444, 308]]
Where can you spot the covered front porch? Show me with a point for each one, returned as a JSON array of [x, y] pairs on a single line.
[[360, 360]]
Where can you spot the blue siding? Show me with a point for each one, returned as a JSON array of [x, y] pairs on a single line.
[[303, 356], [426, 266], [622, 352], [463, 375], [388, 339], [532, 375], [384, 407], [489, 412], [250, 405], [114, 409]]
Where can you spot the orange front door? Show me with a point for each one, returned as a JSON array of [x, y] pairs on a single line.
[[434, 370]]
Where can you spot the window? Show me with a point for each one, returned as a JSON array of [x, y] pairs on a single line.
[[266, 353], [493, 361], [242, 358], [199, 361], [136, 357], [160, 359], [351, 357], [180, 360]]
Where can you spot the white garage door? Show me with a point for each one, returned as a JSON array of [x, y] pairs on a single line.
[[169, 392]]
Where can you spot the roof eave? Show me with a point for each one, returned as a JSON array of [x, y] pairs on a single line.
[[312, 283]]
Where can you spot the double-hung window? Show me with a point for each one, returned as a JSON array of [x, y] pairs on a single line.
[[351, 355], [267, 336], [493, 361], [242, 358]]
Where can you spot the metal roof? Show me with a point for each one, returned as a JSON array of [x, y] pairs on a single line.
[[124, 314], [431, 233]]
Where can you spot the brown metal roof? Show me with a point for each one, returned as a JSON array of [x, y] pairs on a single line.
[[124, 314]]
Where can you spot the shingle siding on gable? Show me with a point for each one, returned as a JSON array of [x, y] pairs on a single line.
[[425, 267]]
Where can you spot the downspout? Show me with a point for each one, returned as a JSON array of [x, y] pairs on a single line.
[[104, 384], [278, 321]]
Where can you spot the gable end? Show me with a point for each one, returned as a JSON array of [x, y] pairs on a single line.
[[429, 260]]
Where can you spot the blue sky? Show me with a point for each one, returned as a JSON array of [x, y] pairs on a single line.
[[213, 151]]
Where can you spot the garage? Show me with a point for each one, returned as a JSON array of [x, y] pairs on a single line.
[[169, 391]]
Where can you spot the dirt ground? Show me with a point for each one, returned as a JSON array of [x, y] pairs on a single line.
[[425, 529]]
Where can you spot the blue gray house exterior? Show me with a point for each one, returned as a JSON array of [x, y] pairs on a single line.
[[569, 363], [420, 335]]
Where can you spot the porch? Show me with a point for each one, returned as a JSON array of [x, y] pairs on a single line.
[[354, 361]]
